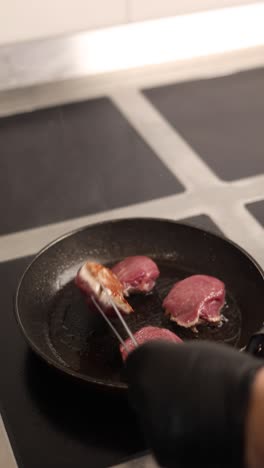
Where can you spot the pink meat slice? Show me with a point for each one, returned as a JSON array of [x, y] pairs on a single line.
[[137, 274], [148, 334], [194, 299], [90, 279]]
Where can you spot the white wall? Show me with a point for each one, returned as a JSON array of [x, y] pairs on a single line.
[[145, 9], [32, 19], [22, 20]]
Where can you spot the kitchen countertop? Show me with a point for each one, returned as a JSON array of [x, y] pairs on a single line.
[[188, 142]]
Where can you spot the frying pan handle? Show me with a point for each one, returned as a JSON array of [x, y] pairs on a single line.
[[255, 345]]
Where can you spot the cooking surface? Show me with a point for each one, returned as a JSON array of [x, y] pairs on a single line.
[[75, 160], [221, 118], [66, 425], [67, 166]]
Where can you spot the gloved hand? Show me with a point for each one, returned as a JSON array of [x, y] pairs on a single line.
[[192, 400]]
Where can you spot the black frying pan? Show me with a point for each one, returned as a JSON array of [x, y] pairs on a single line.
[[60, 328]]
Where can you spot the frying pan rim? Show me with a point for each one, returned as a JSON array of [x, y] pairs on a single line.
[[56, 364]]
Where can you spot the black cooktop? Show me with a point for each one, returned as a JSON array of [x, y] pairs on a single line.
[[84, 158]]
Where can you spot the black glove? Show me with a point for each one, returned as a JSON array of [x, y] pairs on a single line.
[[192, 400]]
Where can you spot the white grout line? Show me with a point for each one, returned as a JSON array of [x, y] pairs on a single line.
[[206, 193], [250, 189], [237, 192], [30, 241], [223, 201], [7, 459], [171, 148], [239, 225]]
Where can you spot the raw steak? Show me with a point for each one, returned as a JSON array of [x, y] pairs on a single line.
[[194, 299], [148, 334], [137, 274]]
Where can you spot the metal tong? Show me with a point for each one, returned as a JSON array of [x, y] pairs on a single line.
[[119, 315]]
